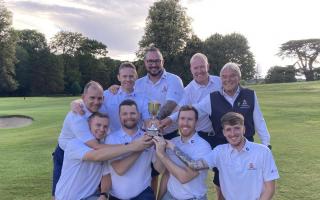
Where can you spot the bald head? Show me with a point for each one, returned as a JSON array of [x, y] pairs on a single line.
[[93, 96], [199, 67]]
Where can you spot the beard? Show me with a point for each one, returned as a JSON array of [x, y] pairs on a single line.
[[132, 125]]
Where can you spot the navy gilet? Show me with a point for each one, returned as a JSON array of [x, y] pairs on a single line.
[[243, 104]]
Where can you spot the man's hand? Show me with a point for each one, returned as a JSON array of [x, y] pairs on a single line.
[[77, 107], [160, 143], [102, 197], [142, 143], [114, 89], [165, 122]]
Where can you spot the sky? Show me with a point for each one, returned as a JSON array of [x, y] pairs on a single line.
[[120, 23]]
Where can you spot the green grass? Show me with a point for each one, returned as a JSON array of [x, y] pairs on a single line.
[[292, 112]]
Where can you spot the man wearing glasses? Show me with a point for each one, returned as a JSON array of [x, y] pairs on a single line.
[[163, 87]]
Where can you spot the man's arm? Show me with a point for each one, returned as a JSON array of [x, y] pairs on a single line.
[[121, 166], [77, 106], [110, 151], [183, 174], [268, 190], [163, 184], [167, 109], [105, 186], [186, 159], [260, 124]]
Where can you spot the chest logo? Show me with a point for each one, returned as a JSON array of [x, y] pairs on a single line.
[[243, 104], [251, 166]]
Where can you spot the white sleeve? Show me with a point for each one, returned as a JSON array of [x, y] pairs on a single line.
[[80, 128], [175, 90], [260, 124], [270, 171], [76, 150], [211, 158], [204, 106], [106, 168]]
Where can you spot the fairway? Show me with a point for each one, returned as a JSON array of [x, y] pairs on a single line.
[[292, 113]]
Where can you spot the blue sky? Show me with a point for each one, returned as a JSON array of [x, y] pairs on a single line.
[[120, 23]]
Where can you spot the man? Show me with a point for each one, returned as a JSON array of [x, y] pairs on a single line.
[[163, 87], [235, 98], [82, 167], [127, 75], [131, 174], [201, 85], [160, 86], [76, 126], [184, 183], [247, 169]]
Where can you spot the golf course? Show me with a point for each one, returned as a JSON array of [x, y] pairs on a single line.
[[291, 110]]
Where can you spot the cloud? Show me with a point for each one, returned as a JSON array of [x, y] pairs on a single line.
[[118, 24]]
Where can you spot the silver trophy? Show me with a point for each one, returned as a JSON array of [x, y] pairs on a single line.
[[153, 108]]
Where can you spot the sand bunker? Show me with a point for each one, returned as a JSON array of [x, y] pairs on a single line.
[[15, 121]]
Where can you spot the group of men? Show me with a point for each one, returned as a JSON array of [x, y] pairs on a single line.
[[103, 151]]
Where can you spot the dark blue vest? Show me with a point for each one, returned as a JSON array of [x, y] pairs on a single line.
[[244, 104]]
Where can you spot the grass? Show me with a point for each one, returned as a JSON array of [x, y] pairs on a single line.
[[292, 112]]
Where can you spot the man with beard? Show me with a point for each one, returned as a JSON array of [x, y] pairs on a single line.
[[131, 174], [162, 87], [184, 182]]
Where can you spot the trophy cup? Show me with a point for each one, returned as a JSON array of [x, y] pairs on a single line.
[[153, 108]]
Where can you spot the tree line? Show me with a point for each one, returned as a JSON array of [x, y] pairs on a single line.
[[29, 65]]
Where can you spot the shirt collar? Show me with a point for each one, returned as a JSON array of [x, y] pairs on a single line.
[[135, 135], [245, 148], [198, 86], [191, 140], [235, 94], [122, 92], [87, 113], [163, 76]]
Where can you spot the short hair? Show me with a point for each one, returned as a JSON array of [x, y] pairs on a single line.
[[199, 55], [187, 108], [128, 102], [233, 66], [91, 84], [152, 48], [97, 114], [127, 65], [232, 118]]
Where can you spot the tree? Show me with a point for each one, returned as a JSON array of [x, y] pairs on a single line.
[[230, 48], [167, 27], [279, 74], [7, 51], [80, 57], [39, 71], [305, 52]]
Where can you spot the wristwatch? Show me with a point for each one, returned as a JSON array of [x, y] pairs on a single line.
[[105, 194]]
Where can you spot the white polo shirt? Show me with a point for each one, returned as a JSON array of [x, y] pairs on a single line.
[[243, 173], [75, 126], [111, 106], [196, 148], [138, 177], [79, 178], [169, 87], [193, 94], [204, 109]]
